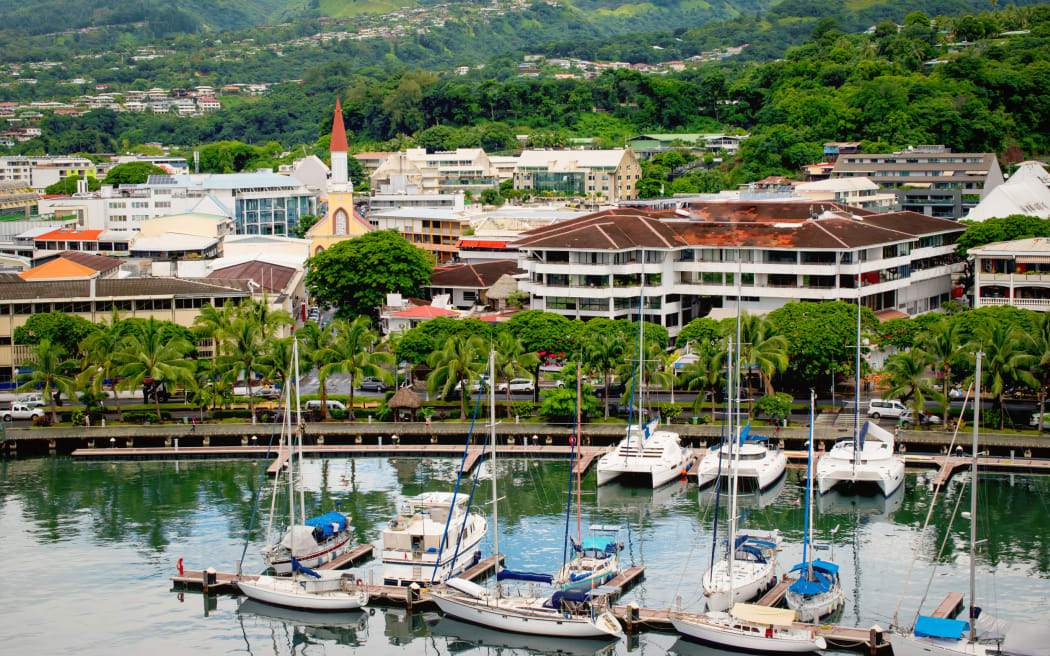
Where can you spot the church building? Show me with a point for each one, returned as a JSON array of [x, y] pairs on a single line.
[[340, 222]]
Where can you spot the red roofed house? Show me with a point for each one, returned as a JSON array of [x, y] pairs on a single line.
[[467, 284], [393, 320]]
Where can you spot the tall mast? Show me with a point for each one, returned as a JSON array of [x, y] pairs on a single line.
[[809, 483], [973, 499], [733, 366], [291, 470], [735, 434], [856, 386], [298, 423], [579, 438], [492, 437]]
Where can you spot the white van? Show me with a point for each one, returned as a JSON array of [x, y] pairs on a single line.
[[331, 404], [878, 408]]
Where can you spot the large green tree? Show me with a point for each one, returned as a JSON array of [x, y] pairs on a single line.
[[821, 337], [64, 330], [131, 173], [352, 352], [149, 354], [357, 274]]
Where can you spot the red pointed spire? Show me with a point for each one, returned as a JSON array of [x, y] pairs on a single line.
[[338, 144]]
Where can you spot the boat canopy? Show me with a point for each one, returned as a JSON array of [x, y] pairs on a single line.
[[811, 584], [1018, 638], [299, 539], [330, 523], [576, 595], [763, 614], [515, 575], [466, 587], [299, 567], [938, 627], [597, 544], [818, 565]]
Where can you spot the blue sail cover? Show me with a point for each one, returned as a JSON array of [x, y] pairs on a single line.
[[328, 522], [299, 567], [938, 627], [514, 575], [863, 434], [818, 565]]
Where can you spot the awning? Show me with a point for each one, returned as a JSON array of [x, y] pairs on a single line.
[[1033, 259], [476, 243], [886, 315], [939, 627], [763, 614], [818, 565]]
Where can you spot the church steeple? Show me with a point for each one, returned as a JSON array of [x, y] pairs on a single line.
[[339, 148]]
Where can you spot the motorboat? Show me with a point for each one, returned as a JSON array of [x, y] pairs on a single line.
[[655, 456], [574, 613], [434, 537], [316, 541], [751, 573], [750, 628], [759, 466], [595, 559], [308, 590], [868, 461]]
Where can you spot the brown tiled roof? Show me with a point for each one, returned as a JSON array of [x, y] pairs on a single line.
[[272, 277], [99, 263], [13, 288], [609, 229], [482, 275]]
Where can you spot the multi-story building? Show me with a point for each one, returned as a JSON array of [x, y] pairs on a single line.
[[606, 175], [681, 264], [854, 192], [929, 180], [464, 169], [370, 161], [42, 171], [436, 231], [1013, 273]]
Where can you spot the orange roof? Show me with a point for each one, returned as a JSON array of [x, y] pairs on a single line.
[[83, 235], [59, 268], [338, 143], [425, 312]]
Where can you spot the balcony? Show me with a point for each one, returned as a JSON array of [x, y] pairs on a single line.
[[1015, 278], [1036, 304]]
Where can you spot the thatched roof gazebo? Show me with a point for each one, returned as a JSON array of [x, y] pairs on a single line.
[[405, 399], [501, 290]]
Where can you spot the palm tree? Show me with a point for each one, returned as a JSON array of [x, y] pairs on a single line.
[[147, 353], [1037, 345], [906, 378], [275, 364], [315, 342], [215, 324], [247, 344], [353, 353], [265, 317], [49, 370], [603, 354], [1005, 361], [100, 360], [512, 360], [454, 366], [763, 349], [707, 374], [941, 345], [647, 374]]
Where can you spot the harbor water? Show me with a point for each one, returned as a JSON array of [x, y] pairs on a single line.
[[88, 548]]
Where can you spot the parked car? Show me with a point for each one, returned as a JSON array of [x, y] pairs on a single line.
[[925, 418], [267, 392], [315, 404], [518, 385], [374, 385], [617, 387], [22, 411], [878, 408], [33, 400], [151, 389], [1034, 420]]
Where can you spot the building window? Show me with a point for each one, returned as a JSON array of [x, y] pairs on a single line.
[[340, 222]]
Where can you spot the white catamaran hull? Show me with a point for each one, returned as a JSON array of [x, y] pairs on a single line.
[[762, 473], [887, 475], [750, 580], [501, 615], [661, 458], [294, 593], [772, 641], [406, 568], [813, 607], [660, 473], [909, 645]]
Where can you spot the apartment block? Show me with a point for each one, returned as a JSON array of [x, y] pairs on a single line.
[[464, 169], [1013, 273], [608, 176]]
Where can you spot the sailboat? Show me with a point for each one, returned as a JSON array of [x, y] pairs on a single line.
[[817, 591], [574, 613], [595, 558], [656, 456], [759, 465], [305, 589], [938, 636], [866, 459]]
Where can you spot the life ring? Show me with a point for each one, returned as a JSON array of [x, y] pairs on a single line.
[[360, 582]]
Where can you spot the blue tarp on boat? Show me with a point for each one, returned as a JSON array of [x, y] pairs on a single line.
[[330, 523], [818, 565], [299, 567], [938, 627], [513, 575]]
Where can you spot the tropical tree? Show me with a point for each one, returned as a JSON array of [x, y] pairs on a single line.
[[247, 345], [646, 374], [1037, 345], [353, 353], [276, 364], [1005, 362], [215, 324], [149, 353], [763, 349], [940, 345], [603, 354], [268, 320], [100, 358], [315, 342], [454, 366], [48, 371], [907, 380], [707, 374], [512, 360]]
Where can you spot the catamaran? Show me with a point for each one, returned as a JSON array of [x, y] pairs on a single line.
[[305, 589], [574, 613], [758, 466], [817, 592]]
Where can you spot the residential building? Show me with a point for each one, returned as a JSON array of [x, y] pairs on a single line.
[[443, 172], [114, 243], [176, 246], [1027, 191], [382, 202], [370, 161], [606, 175], [437, 231], [690, 262], [215, 226], [208, 104], [647, 145], [403, 314], [467, 285], [833, 149], [17, 198], [42, 171], [929, 180], [1013, 273], [854, 192]]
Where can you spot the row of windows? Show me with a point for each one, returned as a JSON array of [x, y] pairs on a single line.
[[86, 307]]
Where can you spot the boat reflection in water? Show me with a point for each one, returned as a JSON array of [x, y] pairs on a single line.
[[874, 506], [462, 636], [350, 628], [617, 495], [400, 626], [753, 499], [684, 647]]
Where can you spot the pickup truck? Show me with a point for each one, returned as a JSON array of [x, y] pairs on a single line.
[[21, 411]]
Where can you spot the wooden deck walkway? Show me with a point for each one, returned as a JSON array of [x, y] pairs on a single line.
[[950, 607], [627, 579], [776, 593]]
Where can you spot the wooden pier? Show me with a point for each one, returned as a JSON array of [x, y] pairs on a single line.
[[776, 594], [950, 607]]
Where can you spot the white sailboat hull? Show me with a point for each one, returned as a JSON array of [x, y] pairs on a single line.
[[598, 575], [295, 593], [503, 615], [762, 473], [813, 607], [750, 579], [909, 645], [781, 641], [660, 458]]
